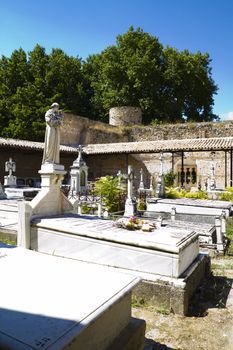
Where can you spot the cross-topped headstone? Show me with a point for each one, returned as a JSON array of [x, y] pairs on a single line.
[[130, 204], [10, 179], [141, 185], [130, 182], [160, 190], [10, 166]]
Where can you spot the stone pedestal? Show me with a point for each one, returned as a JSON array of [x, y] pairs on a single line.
[[130, 207], [10, 181], [49, 201], [2, 193]]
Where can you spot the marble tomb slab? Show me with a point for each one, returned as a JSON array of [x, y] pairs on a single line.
[[189, 206], [165, 251], [53, 303]]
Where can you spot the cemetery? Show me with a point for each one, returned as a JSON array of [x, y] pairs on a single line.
[[159, 254]]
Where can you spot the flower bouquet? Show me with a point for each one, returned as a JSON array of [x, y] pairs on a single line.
[[134, 223]]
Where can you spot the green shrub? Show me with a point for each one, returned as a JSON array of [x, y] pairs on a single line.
[[173, 193], [141, 204], [108, 188], [226, 195], [169, 178]]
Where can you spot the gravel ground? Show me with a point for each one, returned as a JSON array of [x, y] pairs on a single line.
[[209, 324]]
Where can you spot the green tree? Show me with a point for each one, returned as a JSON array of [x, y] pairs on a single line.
[[167, 84], [29, 84], [126, 74], [188, 88], [108, 188]]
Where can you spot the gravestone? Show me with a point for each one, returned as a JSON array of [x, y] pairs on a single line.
[[160, 189], [10, 180], [130, 204], [78, 175]]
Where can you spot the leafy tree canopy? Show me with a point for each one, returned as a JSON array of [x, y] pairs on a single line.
[[169, 86]]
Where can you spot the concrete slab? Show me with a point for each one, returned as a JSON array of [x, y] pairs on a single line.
[[53, 303]]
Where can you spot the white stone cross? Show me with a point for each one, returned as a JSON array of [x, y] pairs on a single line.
[[130, 182], [10, 166], [141, 185], [161, 163]]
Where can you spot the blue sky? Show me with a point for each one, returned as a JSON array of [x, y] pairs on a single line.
[[84, 27]]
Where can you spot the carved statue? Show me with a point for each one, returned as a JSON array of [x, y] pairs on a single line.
[[54, 119]]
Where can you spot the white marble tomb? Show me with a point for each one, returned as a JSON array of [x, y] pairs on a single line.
[[166, 251], [54, 303], [189, 206]]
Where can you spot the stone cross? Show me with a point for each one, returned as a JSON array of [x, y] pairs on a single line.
[[161, 163], [141, 185], [10, 166], [130, 182], [160, 190], [212, 184], [151, 183], [130, 204]]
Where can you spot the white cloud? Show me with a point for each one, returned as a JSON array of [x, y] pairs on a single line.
[[227, 116]]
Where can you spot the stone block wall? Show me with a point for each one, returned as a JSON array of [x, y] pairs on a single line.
[[181, 131], [79, 130]]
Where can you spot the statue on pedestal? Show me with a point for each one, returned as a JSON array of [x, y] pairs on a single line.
[[54, 119]]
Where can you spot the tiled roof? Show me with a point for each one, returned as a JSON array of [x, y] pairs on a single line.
[[23, 144], [210, 144], [205, 144]]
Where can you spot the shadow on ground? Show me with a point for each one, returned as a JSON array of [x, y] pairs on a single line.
[[152, 345], [212, 293]]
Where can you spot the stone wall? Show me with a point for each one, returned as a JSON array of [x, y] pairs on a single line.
[[181, 131], [79, 130]]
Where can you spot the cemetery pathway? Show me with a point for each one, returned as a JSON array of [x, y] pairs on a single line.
[[209, 325]]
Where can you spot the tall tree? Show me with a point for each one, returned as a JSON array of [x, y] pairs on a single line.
[[167, 84], [188, 87], [127, 74]]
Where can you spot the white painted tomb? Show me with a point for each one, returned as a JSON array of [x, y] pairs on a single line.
[[54, 303], [165, 251]]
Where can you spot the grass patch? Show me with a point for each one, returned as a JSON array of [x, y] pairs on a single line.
[[226, 266], [8, 241], [229, 233], [138, 302]]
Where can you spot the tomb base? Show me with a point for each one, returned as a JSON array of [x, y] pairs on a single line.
[[173, 295]]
